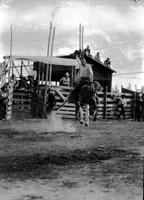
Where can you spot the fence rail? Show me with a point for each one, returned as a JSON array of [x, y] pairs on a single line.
[[107, 107]]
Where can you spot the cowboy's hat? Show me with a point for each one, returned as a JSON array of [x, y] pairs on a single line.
[[67, 74]]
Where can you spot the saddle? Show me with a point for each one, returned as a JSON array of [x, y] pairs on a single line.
[[86, 91]]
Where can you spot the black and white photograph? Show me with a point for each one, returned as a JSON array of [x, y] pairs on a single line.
[[71, 99]]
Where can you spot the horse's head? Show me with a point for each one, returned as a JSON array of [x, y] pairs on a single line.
[[97, 86]]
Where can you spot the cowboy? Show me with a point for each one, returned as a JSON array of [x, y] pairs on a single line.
[[65, 80], [85, 73], [84, 77]]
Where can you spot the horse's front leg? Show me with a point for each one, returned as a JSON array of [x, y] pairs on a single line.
[[94, 117], [77, 112]]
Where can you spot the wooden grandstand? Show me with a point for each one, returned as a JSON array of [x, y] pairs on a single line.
[[19, 103], [49, 70]]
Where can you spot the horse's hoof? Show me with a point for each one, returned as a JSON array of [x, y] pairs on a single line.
[[86, 124], [81, 122]]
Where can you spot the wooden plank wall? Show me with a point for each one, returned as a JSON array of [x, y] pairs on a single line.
[[106, 107], [21, 99], [111, 106]]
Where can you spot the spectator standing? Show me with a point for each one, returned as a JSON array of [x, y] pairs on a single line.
[[34, 103], [32, 76], [14, 81], [107, 62], [138, 108], [3, 102], [142, 114], [51, 101], [87, 51], [121, 104], [65, 80], [97, 56], [50, 104]]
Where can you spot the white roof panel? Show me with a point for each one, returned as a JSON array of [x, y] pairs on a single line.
[[46, 60]]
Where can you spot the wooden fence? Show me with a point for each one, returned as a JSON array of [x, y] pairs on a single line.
[[106, 109]]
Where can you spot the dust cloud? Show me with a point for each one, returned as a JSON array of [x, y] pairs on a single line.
[[54, 123]]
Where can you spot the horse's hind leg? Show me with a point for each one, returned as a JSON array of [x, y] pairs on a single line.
[[87, 115], [81, 115]]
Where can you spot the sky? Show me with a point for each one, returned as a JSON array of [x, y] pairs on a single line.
[[115, 28]]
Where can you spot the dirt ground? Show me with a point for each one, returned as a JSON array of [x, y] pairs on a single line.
[[62, 160]]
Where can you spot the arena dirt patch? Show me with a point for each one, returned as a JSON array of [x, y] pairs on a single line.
[[30, 197], [104, 160], [31, 162]]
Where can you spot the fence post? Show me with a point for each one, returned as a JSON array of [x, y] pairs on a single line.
[[37, 87], [133, 106], [105, 103], [42, 68], [9, 101]]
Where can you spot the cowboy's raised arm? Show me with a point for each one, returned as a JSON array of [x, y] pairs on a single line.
[[90, 73], [80, 66], [78, 60]]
